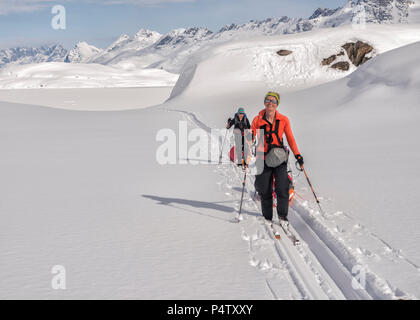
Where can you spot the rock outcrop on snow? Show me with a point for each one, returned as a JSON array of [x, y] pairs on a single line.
[[342, 65], [284, 52], [329, 60], [358, 52]]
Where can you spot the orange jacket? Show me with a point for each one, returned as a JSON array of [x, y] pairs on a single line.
[[259, 122]]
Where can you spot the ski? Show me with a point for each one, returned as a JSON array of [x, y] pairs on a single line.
[[276, 233], [290, 234]]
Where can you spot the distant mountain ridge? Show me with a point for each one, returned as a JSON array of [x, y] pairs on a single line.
[[22, 55], [151, 49]]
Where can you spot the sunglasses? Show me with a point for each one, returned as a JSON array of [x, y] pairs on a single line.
[[271, 101]]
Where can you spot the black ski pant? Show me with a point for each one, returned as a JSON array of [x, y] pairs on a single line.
[[264, 187], [241, 151]]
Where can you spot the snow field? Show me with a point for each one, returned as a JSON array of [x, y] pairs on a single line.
[[80, 75]]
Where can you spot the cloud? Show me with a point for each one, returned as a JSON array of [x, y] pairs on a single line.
[[16, 6]]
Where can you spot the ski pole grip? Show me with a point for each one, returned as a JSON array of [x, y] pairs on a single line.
[[298, 166]]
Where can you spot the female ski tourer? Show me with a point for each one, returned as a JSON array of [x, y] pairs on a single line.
[[241, 124], [268, 127]]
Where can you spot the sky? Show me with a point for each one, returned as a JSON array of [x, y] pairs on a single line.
[[100, 22]]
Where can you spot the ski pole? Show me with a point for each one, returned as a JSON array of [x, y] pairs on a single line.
[[243, 189], [223, 146], [302, 168]]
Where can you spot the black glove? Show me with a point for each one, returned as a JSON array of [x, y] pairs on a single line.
[[229, 123], [299, 159]]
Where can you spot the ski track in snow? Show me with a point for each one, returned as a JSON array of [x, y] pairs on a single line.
[[304, 273], [321, 266]]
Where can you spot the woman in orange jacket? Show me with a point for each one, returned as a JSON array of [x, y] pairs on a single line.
[[273, 125]]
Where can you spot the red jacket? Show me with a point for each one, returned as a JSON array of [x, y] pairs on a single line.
[[284, 128]]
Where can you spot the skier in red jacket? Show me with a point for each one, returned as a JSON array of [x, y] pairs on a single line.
[[273, 126]]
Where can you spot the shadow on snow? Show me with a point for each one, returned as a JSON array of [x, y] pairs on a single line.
[[217, 206]]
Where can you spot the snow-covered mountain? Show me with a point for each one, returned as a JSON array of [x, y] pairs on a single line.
[[365, 11], [385, 11], [171, 51], [150, 49], [126, 46], [82, 52], [24, 55], [354, 11], [323, 12], [180, 37]]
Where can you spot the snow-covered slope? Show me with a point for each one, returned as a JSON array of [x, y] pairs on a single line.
[[236, 65], [359, 138], [95, 196], [81, 75], [81, 52], [347, 130], [112, 99], [83, 190]]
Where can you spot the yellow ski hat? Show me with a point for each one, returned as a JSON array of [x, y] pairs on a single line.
[[273, 94]]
